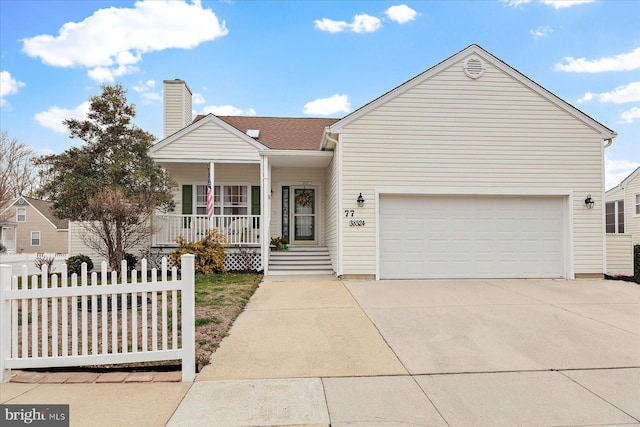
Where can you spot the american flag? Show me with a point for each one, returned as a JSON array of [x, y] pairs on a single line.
[[209, 198]]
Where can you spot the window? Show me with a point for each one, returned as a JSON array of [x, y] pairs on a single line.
[[35, 238], [234, 200], [21, 214], [614, 215], [637, 204]]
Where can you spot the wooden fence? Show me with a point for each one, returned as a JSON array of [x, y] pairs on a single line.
[[54, 321]]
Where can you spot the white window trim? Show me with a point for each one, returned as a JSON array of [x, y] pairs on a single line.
[[616, 213], [39, 238], [636, 203], [18, 210]]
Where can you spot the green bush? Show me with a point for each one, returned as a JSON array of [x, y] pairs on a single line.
[[74, 263], [208, 252], [132, 261], [636, 263]]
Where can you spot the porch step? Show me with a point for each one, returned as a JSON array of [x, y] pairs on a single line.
[[300, 260]]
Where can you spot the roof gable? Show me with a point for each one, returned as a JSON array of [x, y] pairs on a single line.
[[486, 56], [201, 122], [44, 208]]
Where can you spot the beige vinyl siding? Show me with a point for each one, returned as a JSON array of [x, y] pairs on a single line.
[[177, 106], [616, 193], [493, 134], [281, 176], [209, 141], [52, 240], [331, 212], [632, 220], [77, 246], [619, 254]]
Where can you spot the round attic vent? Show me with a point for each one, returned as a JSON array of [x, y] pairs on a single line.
[[473, 67]]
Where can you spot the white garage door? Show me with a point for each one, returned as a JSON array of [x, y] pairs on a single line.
[[471, 236]]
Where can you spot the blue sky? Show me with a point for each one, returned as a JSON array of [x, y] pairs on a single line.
[[306, 58]]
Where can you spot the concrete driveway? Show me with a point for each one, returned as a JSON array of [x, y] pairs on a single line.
[[438, 352]]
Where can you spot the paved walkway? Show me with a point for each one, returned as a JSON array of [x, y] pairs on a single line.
[[441, 353]]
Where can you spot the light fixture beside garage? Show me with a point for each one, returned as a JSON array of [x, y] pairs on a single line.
[[589, 203], [360, 200]]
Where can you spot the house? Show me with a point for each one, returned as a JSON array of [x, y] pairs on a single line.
[[31, 227], [469, 169], [622, 224]]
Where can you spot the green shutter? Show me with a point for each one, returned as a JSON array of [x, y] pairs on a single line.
[[187, 204], [255, 200], [187, 199]]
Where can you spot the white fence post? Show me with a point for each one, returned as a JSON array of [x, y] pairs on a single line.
[[5, 322], [188, 318]]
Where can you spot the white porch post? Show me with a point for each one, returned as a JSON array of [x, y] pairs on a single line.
[[213, 190], [265, 209]]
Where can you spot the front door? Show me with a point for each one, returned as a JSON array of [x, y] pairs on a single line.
[[304, 215]]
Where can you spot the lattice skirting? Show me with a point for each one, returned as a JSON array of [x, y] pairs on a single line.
[[243, 259]]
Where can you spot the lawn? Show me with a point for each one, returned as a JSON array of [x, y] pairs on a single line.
[[220, 298]]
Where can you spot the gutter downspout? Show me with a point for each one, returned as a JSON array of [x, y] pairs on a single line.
[[605, 267]]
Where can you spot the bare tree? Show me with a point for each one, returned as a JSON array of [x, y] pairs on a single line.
[[18, 173], [119, 225]]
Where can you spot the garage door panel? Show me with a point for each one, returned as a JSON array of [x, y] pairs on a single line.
[[449, 236]]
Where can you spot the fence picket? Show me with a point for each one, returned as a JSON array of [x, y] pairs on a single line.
[[134, 314], [94, 316], [154, 312], [74, 317], [34, 319], [54, 319], [14, 321]]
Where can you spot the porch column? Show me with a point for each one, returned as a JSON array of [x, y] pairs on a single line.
[[265, 209], [212, 184]]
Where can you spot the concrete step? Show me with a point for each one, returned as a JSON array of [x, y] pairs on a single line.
[[299, 272], [300, 260]]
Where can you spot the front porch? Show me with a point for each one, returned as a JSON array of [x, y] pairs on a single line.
[[239, 230]]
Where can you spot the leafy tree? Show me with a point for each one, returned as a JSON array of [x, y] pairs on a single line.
[[109, 183], [18, 173]]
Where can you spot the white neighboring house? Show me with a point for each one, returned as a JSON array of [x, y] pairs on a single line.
[[622, 223]]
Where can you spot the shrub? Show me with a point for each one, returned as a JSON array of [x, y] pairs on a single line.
[[636, 263], [74, 263], [132, 261], [3, 249], [208, 252]]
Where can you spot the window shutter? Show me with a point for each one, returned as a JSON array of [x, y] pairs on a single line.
[[187, 199]]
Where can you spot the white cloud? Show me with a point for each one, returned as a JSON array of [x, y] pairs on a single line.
[[401, 13], [197, 98], [617, 170], [54, 116], [541, 31], [111, 41], [620, 95], [228, 110], [8, 86], [631, 115], [622, 62], [328, 106], [144, 86], [361, 24], [146, 91], [557, 4]]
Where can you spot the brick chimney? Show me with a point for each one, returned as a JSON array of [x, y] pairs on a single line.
[[178, 108]]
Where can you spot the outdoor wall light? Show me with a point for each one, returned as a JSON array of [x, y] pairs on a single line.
[[360, 200], [589, 203]]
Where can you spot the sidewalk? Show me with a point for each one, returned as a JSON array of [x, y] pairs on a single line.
[[308, 353]]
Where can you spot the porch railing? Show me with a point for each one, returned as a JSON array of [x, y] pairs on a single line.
[[240, 230]]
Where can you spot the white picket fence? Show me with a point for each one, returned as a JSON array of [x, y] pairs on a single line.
[[17, 261], [56, 321]]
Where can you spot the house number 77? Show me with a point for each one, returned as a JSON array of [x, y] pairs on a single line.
[[348, 212]]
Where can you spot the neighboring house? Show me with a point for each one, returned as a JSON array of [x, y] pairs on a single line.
[[469, 169], [622, 223], [33, 228], [622, 213]]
